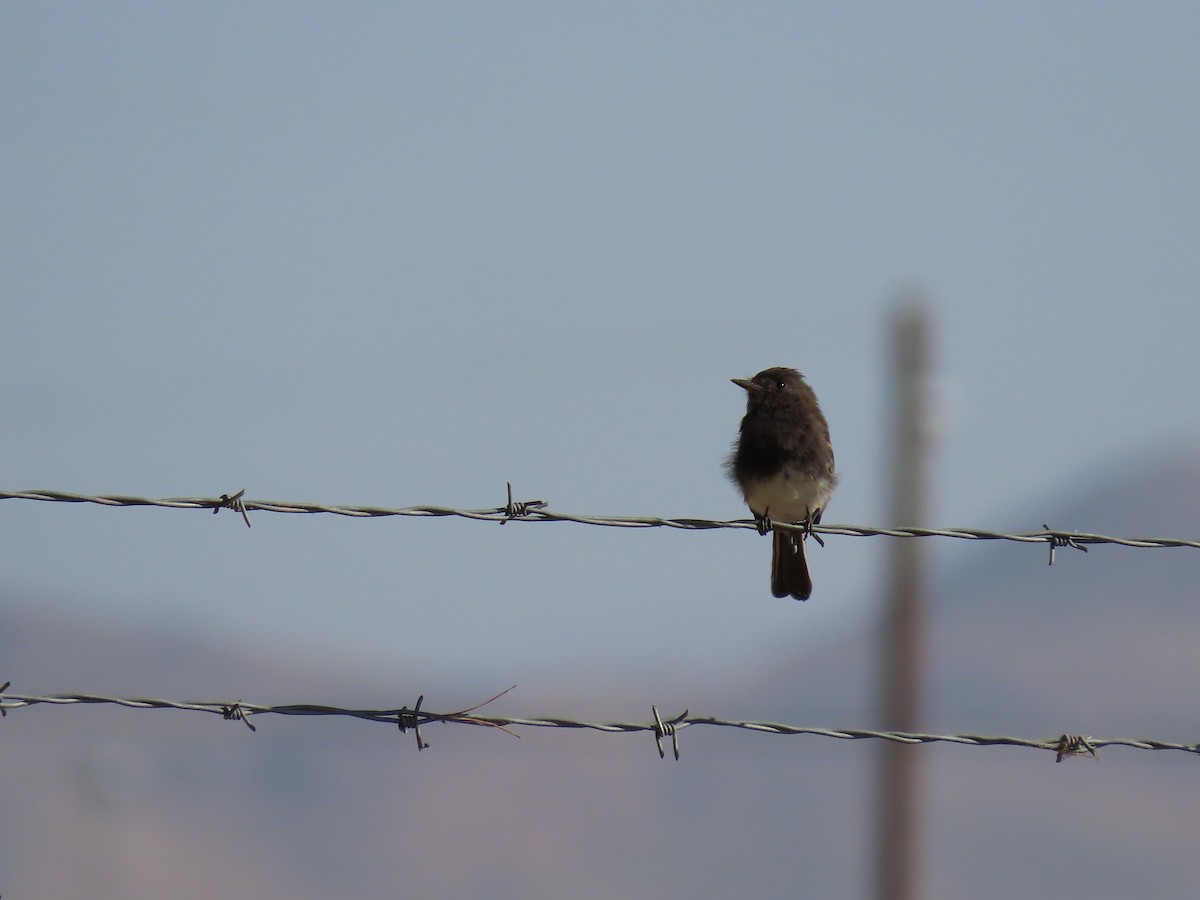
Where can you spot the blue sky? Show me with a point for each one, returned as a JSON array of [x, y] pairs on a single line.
[[400, 254]]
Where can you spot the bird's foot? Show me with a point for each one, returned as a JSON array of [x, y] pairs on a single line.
[[813, 518]]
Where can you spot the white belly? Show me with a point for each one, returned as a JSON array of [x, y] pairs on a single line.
[[789, 497]]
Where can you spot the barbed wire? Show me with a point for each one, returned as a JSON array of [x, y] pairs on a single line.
[[539, 511], [1063, 746]]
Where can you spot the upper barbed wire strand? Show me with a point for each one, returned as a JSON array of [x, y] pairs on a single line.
[[538, 511]]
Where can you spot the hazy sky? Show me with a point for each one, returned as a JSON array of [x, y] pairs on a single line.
[[394, 254]]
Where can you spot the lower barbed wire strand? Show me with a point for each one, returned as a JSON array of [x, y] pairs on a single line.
[[1068, 744]]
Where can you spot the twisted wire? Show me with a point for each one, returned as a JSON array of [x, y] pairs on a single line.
[[538, 511], [1065, 745]]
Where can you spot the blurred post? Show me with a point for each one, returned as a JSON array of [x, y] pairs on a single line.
[[897, 876]]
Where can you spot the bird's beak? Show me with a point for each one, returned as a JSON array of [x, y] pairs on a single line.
[[744, 383]]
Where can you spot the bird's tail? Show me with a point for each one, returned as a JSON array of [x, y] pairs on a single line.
[[789, 566]]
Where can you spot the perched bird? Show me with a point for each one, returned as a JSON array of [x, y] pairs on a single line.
[[783, 463]]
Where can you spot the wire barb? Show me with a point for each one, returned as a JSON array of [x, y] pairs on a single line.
[[1074, 745], [406, 720], [1060, 539], [807, 527], [671, 727], [3, 687], [234, 713], [235, 503], [519, 509]]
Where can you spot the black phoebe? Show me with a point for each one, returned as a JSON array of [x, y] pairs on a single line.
[[783, 463]]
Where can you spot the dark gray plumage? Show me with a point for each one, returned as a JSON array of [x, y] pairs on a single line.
[[783, 464]]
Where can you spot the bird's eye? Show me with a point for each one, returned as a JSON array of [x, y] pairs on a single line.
[[779, 385]]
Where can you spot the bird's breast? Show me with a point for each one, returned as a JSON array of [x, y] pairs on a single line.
[[788, 496]]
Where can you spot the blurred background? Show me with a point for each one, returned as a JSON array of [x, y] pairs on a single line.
[[398, 254]]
